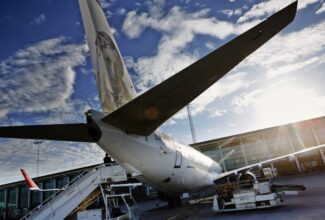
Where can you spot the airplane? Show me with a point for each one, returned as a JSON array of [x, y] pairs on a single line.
[[126, 129], [33, 186]]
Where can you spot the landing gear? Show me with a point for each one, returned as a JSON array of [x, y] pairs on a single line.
[[173, 200]]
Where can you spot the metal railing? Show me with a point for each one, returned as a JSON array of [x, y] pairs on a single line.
[[57, 195]]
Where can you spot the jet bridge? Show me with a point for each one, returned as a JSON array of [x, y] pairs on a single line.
[[62, 203]]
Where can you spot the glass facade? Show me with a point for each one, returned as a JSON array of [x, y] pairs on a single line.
[[12, 199], [253, 147], [36, 198], [215, 154], [319, 129], [2, 204], [62, 181], [12, 203], [48, 185], [23, 197], [232, 154], [72, 177]]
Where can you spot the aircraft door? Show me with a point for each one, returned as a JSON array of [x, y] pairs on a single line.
[[178, 159]]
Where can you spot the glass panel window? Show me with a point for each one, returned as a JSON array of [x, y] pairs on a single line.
[[232, 154], [36, 198], [23, 197], [320, 132], [72, 177], [277, 141], [213, 154], [2, 203], [63, 181], [302, 138], [255, 149], [49, 185], [12, 198]]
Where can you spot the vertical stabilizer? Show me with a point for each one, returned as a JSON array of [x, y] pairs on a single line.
[[113, 81]]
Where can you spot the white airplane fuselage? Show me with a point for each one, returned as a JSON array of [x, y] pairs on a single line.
[[158, 159]]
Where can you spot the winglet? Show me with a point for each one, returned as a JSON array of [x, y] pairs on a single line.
[[31, 184]]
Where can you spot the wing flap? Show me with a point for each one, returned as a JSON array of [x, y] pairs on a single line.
[[148, 111], [60, 132]]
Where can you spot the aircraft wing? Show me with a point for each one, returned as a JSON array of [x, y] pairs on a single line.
[[148, 111], [60, 132], [243, 169]]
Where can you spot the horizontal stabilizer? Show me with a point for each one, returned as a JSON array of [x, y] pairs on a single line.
[[60, 132], [148, 111]]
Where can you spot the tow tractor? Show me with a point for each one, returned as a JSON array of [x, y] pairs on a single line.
[[245, 192]]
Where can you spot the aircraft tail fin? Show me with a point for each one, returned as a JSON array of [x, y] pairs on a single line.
[[30, 183], [113, 81]]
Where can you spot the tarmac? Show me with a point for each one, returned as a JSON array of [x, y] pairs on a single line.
[[309, 205]]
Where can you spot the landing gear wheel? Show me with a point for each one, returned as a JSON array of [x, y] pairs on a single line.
[[174, 202]]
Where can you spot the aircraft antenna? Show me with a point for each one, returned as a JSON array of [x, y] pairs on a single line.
[[190, 119]]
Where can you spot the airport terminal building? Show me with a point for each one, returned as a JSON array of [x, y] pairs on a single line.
[[232, 152], [252, 147]]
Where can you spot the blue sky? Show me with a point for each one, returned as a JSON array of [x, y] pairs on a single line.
[[46, 74]]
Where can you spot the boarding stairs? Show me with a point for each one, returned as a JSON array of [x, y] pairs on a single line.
[[62, 203]]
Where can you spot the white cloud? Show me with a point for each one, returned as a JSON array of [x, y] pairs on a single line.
[[210, 45], [288, 103], [46, 68], [269, 7], [296, 51], [230, 12], [40, 79], [281, 102], [218, 113], [156, 8], [242, 101], [38, 20], [293, 67], [171, 56], [54, 157], [104, 4], [227, 85], [121, 11], [321, 9], [305, 3]]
